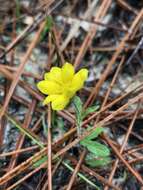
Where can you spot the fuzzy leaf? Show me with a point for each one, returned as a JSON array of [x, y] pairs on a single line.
[[78, 109], [90, 110], [78, 104], [95, 133], [96, 148], [93, 161]]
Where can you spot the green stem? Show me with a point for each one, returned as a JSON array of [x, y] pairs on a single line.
[[41, 145], [81, 175]]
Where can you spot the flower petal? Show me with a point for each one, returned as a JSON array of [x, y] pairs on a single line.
[[67, 72], [49, 98], [83, 74], [60, 102], [78, 80], [54, 74], [48, 87], [47, 76]]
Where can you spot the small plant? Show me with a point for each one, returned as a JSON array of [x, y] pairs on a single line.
[[98, 153], [61, 84]]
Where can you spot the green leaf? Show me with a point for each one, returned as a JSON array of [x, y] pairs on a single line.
[[93, 161], [78, 110], [41, 161], [95, 133], [90, 110], [96, 148], [77, 104]]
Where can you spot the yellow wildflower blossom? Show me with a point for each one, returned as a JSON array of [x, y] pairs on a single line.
[[61, 84]]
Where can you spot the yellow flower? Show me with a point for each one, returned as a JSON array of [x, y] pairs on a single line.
[[61, 84]]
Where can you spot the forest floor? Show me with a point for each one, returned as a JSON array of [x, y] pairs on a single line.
[[96, 141]]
